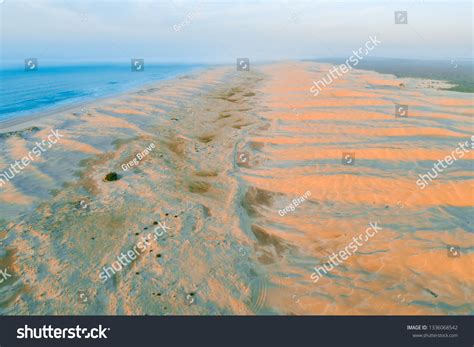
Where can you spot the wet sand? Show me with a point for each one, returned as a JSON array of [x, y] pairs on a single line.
[[228, 250]]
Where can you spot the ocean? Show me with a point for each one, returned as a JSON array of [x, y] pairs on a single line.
[[50, 87]]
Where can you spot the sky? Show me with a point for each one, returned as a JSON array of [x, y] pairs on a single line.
[[221, 31]]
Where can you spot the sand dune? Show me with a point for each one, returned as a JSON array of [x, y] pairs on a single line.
[[228, 250]]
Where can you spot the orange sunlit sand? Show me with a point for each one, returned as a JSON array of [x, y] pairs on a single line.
[[227, 243]]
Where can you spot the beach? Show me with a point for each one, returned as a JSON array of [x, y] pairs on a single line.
[[215, 156]]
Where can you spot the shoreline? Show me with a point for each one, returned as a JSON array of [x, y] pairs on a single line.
[[181, 182], [8, 125], [231, 150], [15, 123]]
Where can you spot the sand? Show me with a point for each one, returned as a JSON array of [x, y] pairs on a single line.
[[228, 250]]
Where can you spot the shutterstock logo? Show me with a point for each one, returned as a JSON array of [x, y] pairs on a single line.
[[48, 332]]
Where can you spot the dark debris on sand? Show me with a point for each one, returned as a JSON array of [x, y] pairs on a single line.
[[112, 176]]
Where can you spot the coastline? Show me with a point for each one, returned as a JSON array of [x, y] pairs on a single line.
[[194, 122], [13, 123], [230, 150]]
